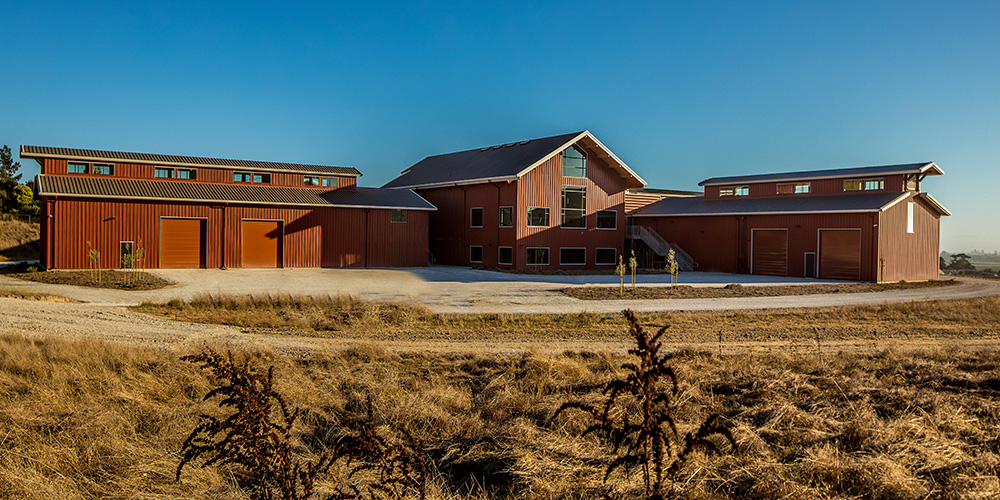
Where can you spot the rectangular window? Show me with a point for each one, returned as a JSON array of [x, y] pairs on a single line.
[[262, 178], [187, 173], [476, 254], [310, 180], [537, 257], [329, 182], [126, 254], [506, 216], [241, 177], [505, 256], [574, 206], [163, 173], [606, 256], [103, 169], [909, 217], [538, 217], [573, 256], [76, 168], [799, 188], [607, 219], [727, 191], [397, 215], [863, 184], [743, 191], [476, 217]]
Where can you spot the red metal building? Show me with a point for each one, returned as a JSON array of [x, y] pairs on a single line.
[[867, 224], [549, 203], [111, 208]]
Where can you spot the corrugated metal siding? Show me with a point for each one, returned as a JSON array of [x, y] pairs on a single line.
[[451, 233], [313, 236], [635, 201], [347, 182], [892, 183], [542, 187], [909, 256], [722, 243]]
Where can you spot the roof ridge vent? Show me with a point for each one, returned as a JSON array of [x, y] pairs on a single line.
[[524, 142], [509, 144], [498, 146], [487, 148]]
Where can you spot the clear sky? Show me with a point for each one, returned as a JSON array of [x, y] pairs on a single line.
[[680, 91]]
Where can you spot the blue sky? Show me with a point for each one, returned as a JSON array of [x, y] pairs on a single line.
[[681, 91]]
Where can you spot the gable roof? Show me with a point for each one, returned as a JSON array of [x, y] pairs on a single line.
[[838, 203], [926, 168], [502, 162], [147, 189], [41, 152]]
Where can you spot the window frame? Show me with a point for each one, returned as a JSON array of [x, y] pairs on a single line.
[[500, 261], [741, 190], [910, 209], [548, 217], [527, 252], [581, 263], [597, 222], [192, 171], [265, 178], [614, 258], [472, 216], [158, 170], [510, 218], [95, 168], [394, 215], [243, 175], [563, 209], [862, 184], [86, 167], [122, 253], [794, 188], [473, 248], [583, 158], [329, 182], [311, 180], [727, 191]]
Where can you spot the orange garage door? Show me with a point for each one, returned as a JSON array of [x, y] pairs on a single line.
[[840, 254], [182, 243], [770, 252], [262, 243]]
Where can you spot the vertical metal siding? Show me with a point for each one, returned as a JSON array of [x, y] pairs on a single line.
[[909, 256]]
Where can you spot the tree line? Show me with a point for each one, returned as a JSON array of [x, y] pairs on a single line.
[[15, 198]]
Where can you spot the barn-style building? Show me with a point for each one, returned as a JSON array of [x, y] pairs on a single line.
[[550, 203], [866, 224], [109, 208]]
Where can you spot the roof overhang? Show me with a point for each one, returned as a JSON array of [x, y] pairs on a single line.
[[929, 168], [934, 203], [796, 212], [588, 140], [466, 182]]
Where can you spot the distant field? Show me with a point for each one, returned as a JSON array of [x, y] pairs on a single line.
[[986, 265]]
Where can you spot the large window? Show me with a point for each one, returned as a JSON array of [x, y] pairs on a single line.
[[310, 180], [76, 168], [574, 162], [329, 182], [476, 217], [397, 215], [743, 191], [241, 177], [476, 254], [863, 184], [505, 255], [538, 216], [163, 173], [574, 206], [606, 256], [248, 177], [506, 216], [187, 173], [103, 169], [262, 178], [797, 188], [572, 256], [607, 219], [537, 256]]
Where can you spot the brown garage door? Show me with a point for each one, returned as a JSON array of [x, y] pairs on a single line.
[[182, 243], [840, 254], [261, 243], [770, 252]]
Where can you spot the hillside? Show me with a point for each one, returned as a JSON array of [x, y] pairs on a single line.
[[18, 241]]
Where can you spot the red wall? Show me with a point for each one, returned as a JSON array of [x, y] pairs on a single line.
[[313, 237], [909, 256], [891, 183], [451, 233]]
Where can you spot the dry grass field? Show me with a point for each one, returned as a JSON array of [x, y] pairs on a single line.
[[93, 420]]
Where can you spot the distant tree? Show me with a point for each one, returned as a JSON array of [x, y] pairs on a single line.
[[942, 264], [8, 180], [959, 262]]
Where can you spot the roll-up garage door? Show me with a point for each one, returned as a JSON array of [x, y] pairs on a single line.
[[261, 243], [770, 252], [840, 254], [182, 243]]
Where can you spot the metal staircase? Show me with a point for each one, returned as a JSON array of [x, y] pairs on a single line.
[[661, 247]]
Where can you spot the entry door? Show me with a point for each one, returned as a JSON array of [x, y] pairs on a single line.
[[182, 243], [261, 243], [770, 252], [840, 254]]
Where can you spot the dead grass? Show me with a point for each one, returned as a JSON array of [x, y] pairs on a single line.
[[18, 240], [8, 293], [92, 420], [346, 317], [737, 290]]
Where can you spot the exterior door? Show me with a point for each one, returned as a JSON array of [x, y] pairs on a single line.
[[182, 243], [840, 254], [261, 244], [769, 253]]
